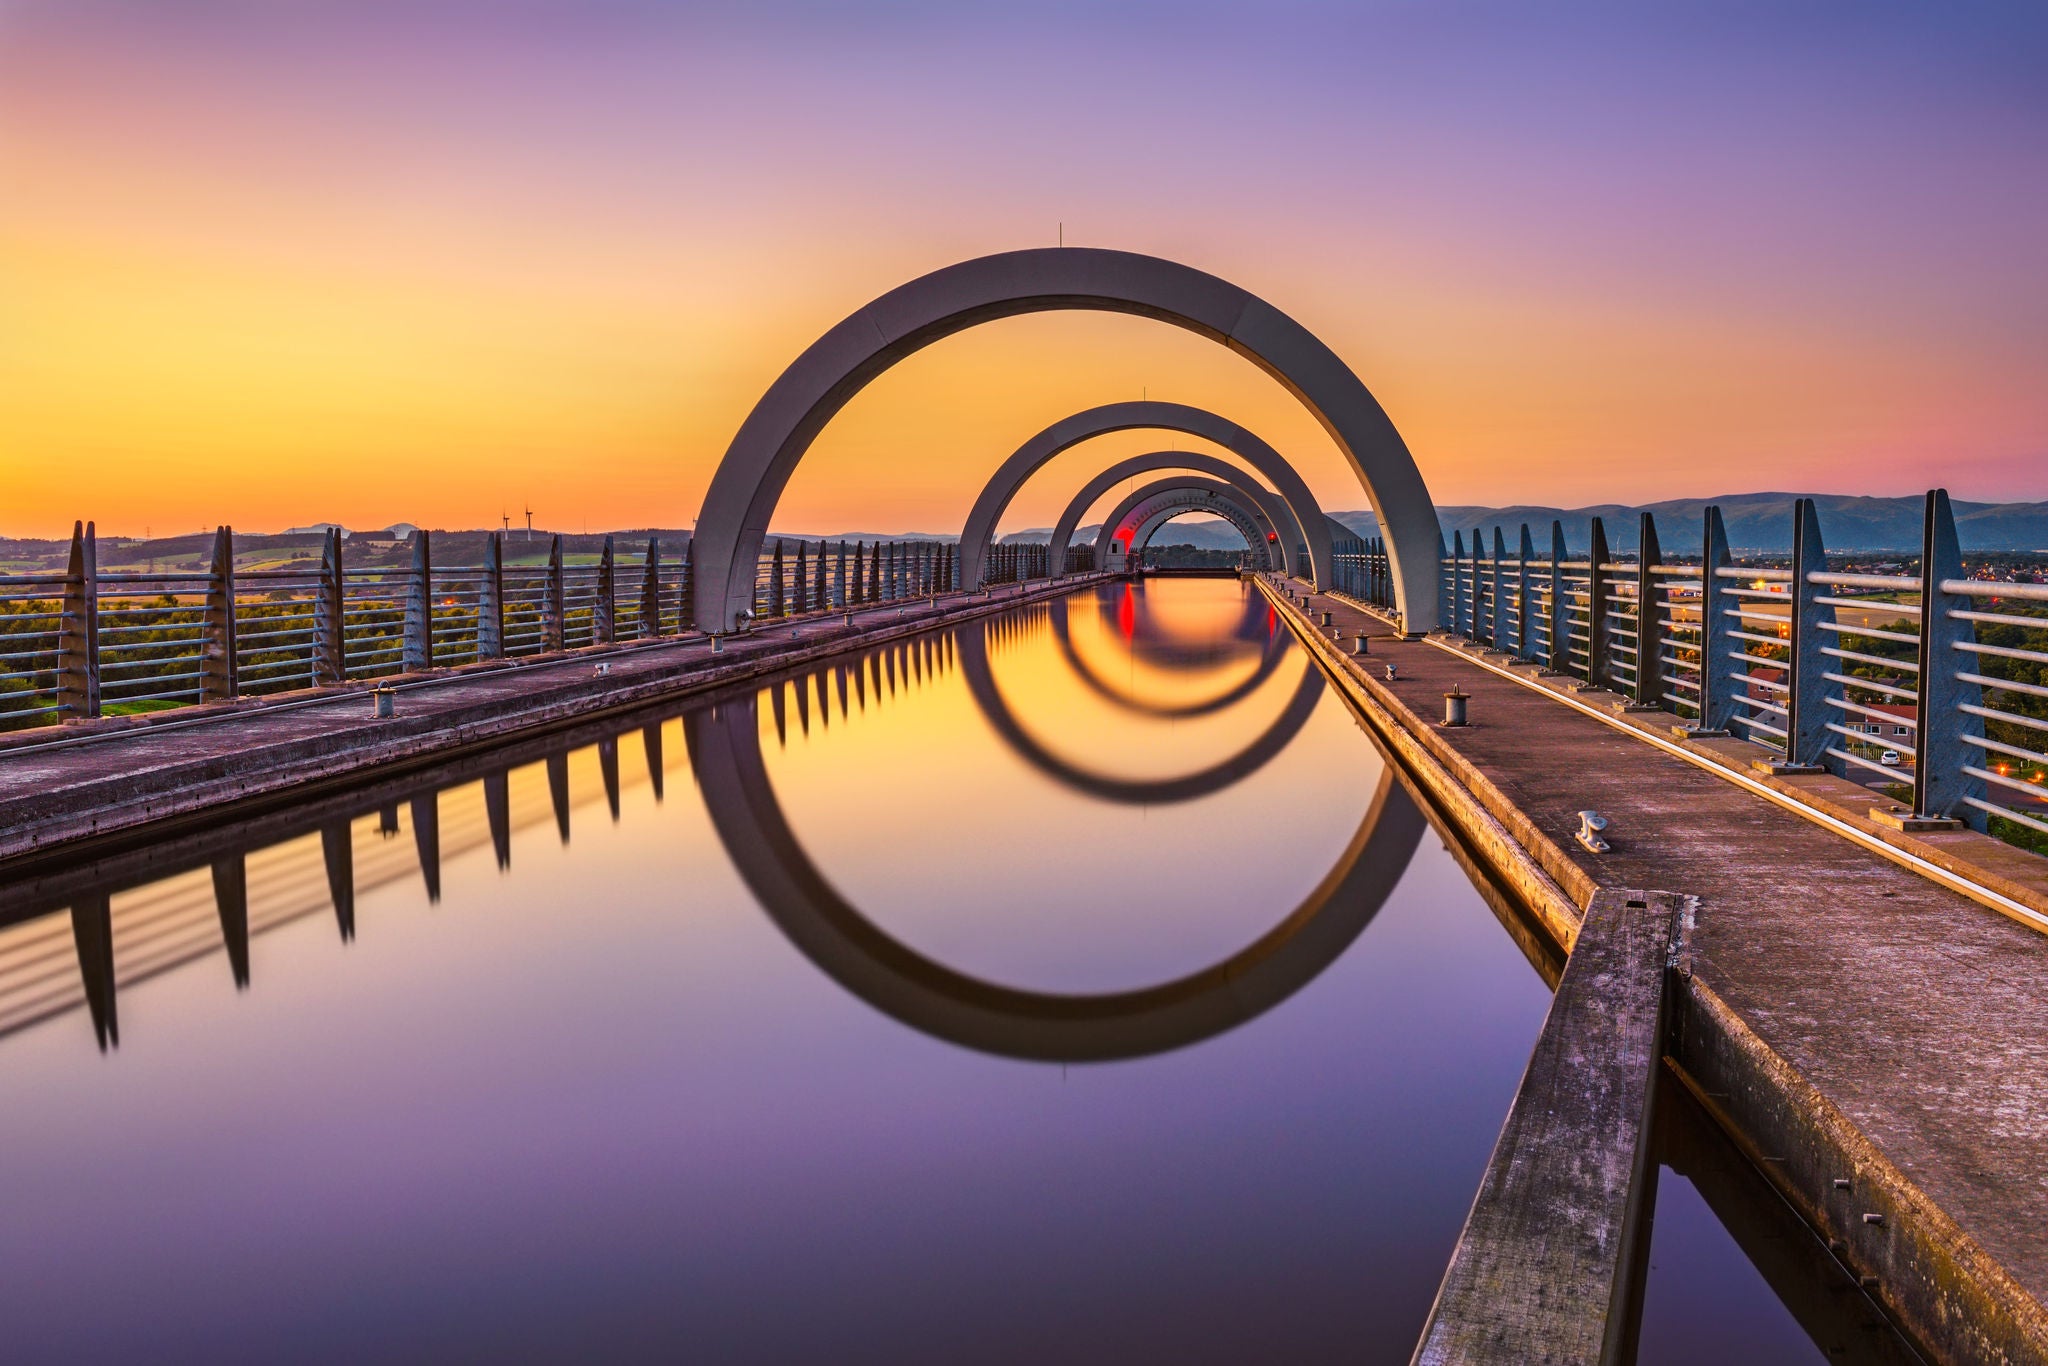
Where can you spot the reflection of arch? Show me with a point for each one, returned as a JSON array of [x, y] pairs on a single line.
[[1181, 492], [1132, 791], [817, 384], [1303, 529], [725, 747], [1257, 613], [1276, 507]]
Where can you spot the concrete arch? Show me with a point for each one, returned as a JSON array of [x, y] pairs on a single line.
[[1302, 531], [1157, 515], [1277, 509], [787, 419], [1194, 492]]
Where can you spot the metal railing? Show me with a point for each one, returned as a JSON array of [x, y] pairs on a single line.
[[85, 643], [1932, 679]]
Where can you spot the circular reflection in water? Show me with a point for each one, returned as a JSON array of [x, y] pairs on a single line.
[[919, 991], [1158, 645]]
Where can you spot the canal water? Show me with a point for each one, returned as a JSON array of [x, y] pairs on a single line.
[[1076, 985]]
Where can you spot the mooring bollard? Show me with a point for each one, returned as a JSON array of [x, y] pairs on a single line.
[[384, 701], [717, 643], [1390, 671], [1358, 644], [1591, 823], [1326, 618], [1454, 706]]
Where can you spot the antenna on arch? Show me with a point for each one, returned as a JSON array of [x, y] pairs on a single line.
[[1063, 232]]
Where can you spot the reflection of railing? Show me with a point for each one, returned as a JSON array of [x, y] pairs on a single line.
[[1930, 678], [84, 643], [793, 579]]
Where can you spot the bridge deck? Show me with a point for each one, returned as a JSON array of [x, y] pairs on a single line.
[[1917, 1013]]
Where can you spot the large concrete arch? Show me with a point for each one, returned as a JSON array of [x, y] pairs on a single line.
[[1042, 1026], [1302, 532], [787, 419], [1156, 515], [1207, 495], [1277, 508]]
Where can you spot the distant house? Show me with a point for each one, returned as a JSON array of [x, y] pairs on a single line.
[[1894, 722]]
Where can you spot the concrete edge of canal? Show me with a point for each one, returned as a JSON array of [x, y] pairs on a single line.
[[1936, 1283]]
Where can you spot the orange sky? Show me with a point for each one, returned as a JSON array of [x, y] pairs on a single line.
[[276, 270]]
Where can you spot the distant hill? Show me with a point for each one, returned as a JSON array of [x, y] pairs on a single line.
[[1755, 521]]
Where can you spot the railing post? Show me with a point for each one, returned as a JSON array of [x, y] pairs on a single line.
[[218, 680], [839, 598], [801, 579], [78, 630], [330, 642], [1649, 618], [1941, 787], [1457, 583], [1500, 600], [418, 646], [1717, 644], [1524, 633], [1806, 684], [650, 591], [1558, 659], [490, 600], [553, 613], [603, 616], [686, 604], [777, 602], [1597, 635], [820, 601]]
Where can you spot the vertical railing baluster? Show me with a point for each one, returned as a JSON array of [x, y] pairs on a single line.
[[1649, 619], [553, 615], [330, 640], [218, 675], [418, 646], [1558, 658], [1717, 641], [1941, 787], [1499, 632], [1807, 686], [78, 654], [650, 591], [603, 623], [1525, 632], [1597, 635]]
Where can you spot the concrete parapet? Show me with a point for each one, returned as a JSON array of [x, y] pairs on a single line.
[[1549, 1265]]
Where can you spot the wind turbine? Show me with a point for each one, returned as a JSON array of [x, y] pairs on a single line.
[[529, 523], [506, 518]]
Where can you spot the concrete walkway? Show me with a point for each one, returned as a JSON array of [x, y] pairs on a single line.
[[1892, 1034]]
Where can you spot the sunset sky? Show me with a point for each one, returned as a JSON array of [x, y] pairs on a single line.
[[368, 262]]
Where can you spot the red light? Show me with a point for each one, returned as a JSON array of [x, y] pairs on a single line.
[[1127, 613], [1272, 536]]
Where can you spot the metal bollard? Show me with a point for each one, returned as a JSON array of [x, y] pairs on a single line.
[[1454, 706], [1591, 823], [384, 701], [1358, 644], [1391, 675], [1326, 618], [717, 643]]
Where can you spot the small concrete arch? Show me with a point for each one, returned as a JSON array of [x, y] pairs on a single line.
[[1303, 531], [1192, 493], [1278, 511], [788, 417]]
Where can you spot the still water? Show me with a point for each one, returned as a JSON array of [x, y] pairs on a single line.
[[1079, 985]]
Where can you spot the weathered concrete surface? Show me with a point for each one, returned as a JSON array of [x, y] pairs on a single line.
[[152, 777], [1917, 1014], [1548, 1266]]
